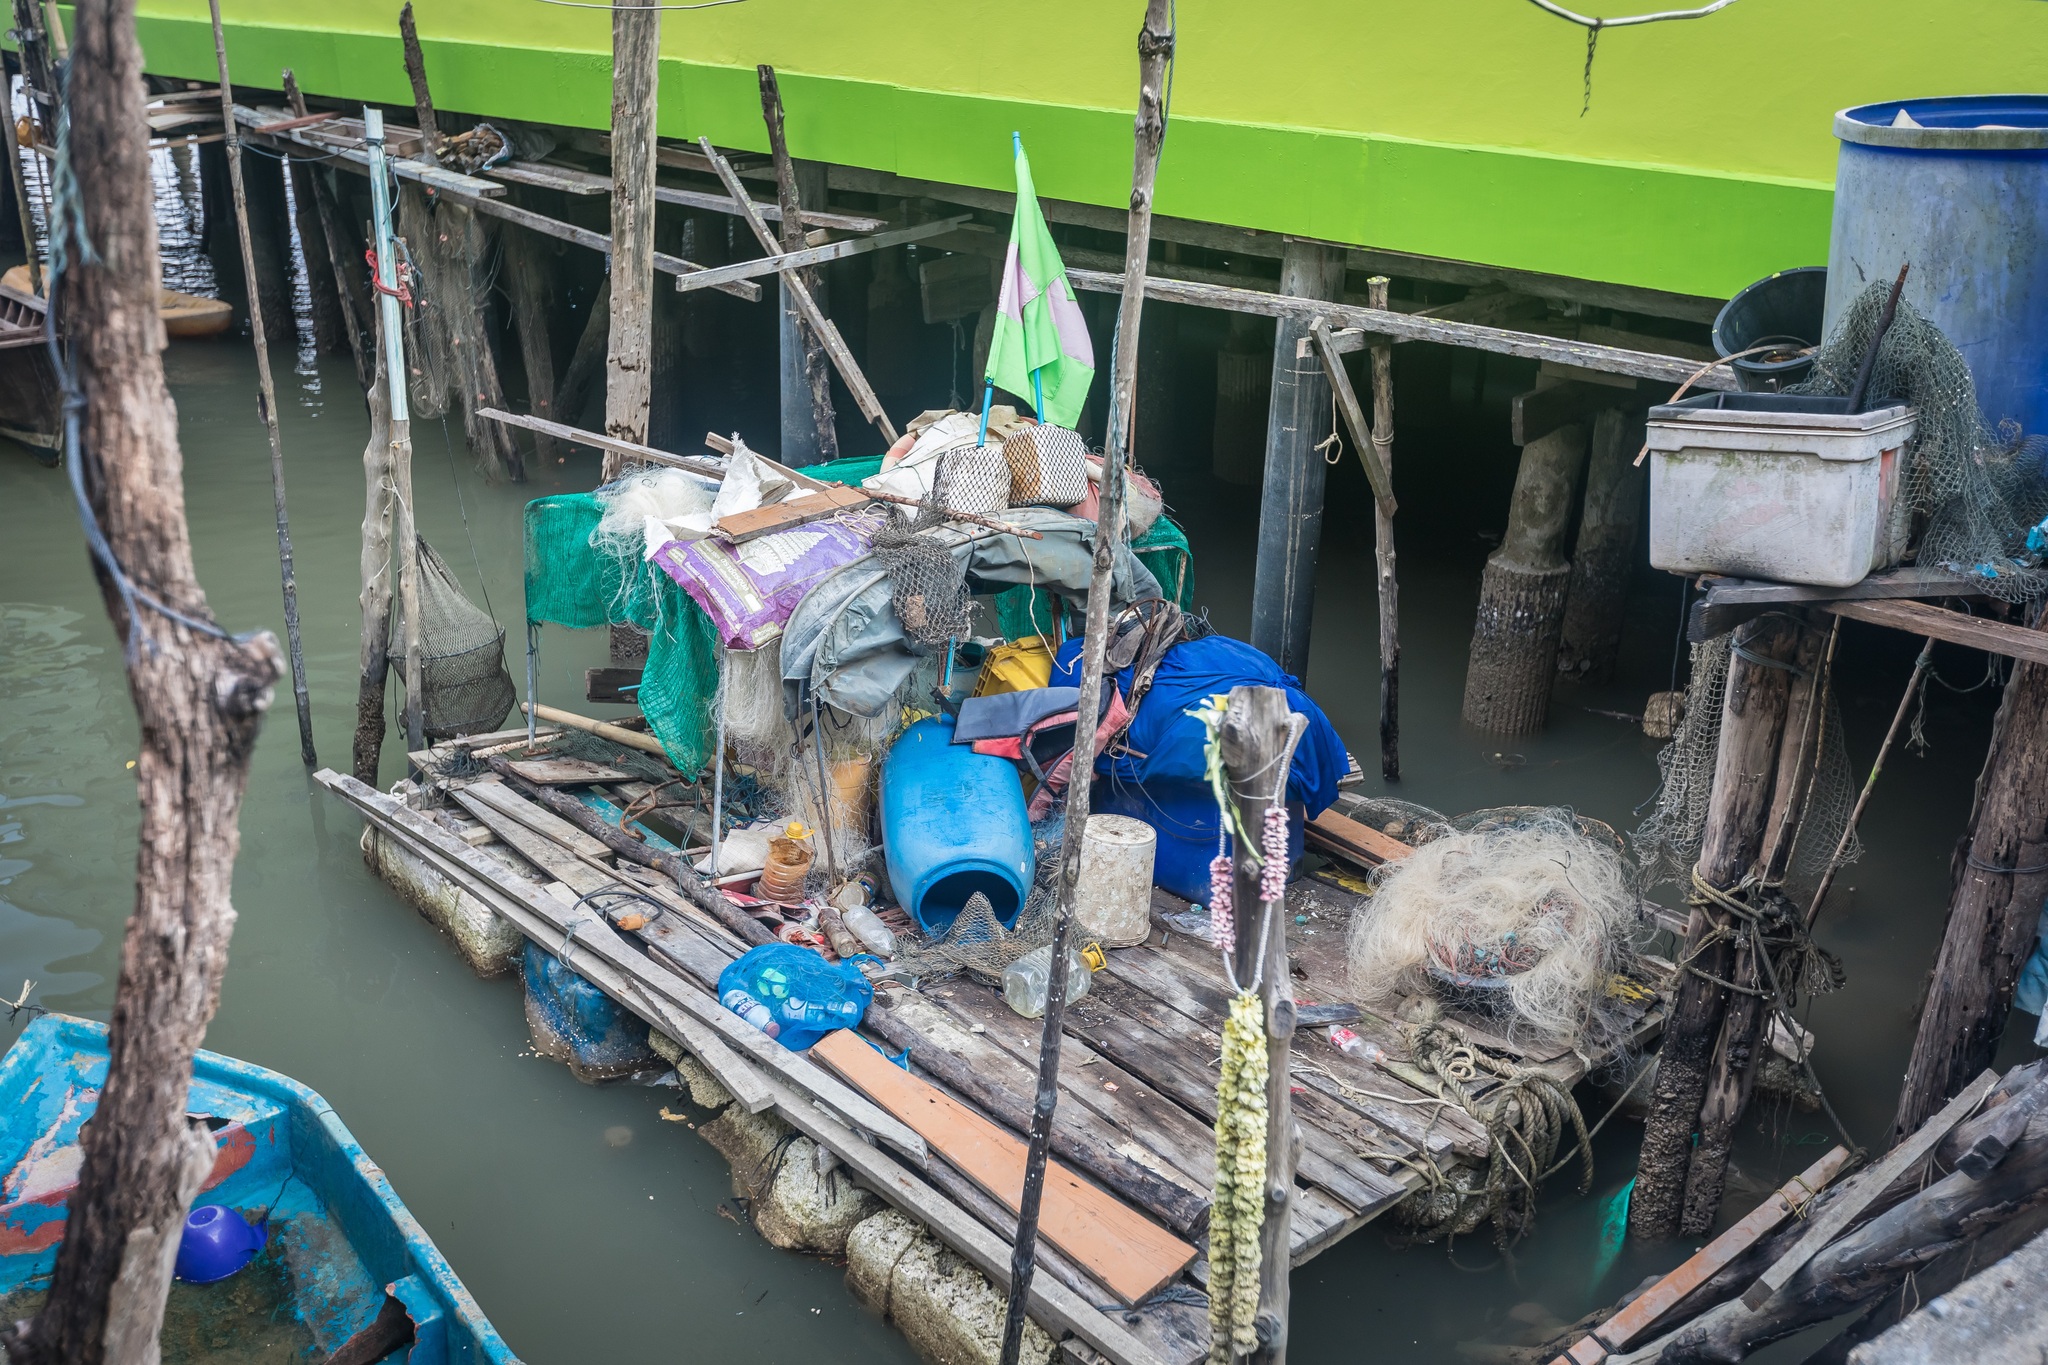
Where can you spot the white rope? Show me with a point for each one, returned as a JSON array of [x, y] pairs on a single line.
[[1586, 21]]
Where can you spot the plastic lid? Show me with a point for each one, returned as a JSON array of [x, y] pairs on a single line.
[[1956, 123]]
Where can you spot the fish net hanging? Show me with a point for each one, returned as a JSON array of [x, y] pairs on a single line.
[[1973, 491], [463, 679]]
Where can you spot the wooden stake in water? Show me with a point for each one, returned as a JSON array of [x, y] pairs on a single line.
[[1155, 48], [266, 398]]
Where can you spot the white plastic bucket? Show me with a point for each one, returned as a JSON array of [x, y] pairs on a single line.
[[1786, 488], [1113, 903]]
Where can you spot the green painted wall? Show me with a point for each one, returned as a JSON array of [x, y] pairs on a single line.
[[1447, 127]]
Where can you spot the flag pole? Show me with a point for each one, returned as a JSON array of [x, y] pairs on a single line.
[[1155, 48]]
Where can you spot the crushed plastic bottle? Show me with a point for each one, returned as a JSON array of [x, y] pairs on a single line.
[[751, 1010], [1027, 982], [869, 929], [1351, 1045]]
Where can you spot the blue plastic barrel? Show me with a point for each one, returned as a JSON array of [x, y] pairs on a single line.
[[953, 823], [1184, 816], [1964, 197]]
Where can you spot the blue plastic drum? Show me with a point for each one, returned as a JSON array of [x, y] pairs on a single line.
[[953, 823]]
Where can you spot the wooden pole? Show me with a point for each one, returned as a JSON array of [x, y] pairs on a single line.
[[1258, 747], [2001, 878], [374, 655], [1604, 554], [266, 400], [1383, 545], [809, 435], [587, 359], [526, 286], [629, 360], [1752, 721], [335, 244], [199, 695], [416, 75], [403, 527], [1291, 498], [1733, 1073], [1155, 49]]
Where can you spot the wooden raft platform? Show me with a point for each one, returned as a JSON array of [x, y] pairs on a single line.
[[1120, 1256]]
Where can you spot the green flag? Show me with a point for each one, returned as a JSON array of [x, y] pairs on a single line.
[[1041, 343]]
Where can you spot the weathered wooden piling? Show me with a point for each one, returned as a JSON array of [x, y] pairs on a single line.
[[1291, 495], [1244, 378], [1513, 660], [2001, 879], [1383, 546], [1604, 555], [1753, 714], [200, 693], [529, 285], [809, 435]]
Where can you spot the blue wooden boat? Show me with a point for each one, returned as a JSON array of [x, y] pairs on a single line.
[[342, 1262]]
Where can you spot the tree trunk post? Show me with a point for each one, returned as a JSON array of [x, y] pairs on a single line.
[[199, 695], [333, 244], [1733, 1074], [1604, 556], [374, 655], [1383, 547], [629, 365], [1256, 743], [586, 362], [416, 75], [1155, 47], [404, 530], [1291, 497], [2001, 878], [527, 286], [1522, 593], [266, 394], [1752, 723], [809, 433]]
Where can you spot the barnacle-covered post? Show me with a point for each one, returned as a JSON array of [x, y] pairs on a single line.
[[1256, 739]]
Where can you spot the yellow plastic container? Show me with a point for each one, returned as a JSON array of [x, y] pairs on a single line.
[[1016, 667]]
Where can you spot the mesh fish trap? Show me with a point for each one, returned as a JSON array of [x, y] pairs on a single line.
[[463, 678]]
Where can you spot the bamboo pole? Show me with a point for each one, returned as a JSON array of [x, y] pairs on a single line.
[[1155, 48], [404, 530], [266, 398]]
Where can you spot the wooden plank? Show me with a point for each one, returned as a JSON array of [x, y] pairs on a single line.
[[1835, 1219], [1350, 838], [1413, 327], [538, 849], [505, 801], [564, 932], [741, 1080], [790, 513], [1974, 632], [348, 150], [821, 326], [567, 179], [1354, 417], [565, 772], [696, 464], [712, 276], [1728, 602], [1643, 1311], [1119, 1246]]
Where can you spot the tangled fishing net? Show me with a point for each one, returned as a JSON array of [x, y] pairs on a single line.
[[1522, 916], [1972, 491], [976, 942], [463, 678], [927, 582]]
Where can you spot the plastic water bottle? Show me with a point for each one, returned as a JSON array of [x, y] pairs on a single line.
[[1027, 982], [869, 929], [1351, 1045], [751, 1010]]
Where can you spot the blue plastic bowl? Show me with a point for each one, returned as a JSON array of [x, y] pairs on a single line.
[[216, 1243]]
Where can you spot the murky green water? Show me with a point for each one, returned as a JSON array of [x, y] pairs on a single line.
[[580, 1248]]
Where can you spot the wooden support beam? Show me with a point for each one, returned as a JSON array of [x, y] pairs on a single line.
[[1539, 412], [1958, 628], [835, 345], [629, 346], [712, 276], [1728, 602], [1354, 418], [1414, 327], [347, 147]]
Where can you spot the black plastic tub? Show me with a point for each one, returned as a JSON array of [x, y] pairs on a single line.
[[1783, 311]]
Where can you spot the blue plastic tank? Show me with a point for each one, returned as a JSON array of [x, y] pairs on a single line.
[[953, 823], [1964, 197]]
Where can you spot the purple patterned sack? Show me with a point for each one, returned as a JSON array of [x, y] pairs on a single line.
[[749, 590]]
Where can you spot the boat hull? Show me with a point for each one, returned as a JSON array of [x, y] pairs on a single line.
[[338, 1233]]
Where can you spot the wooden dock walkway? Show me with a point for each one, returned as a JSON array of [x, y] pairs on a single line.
[[1133, 1150]]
